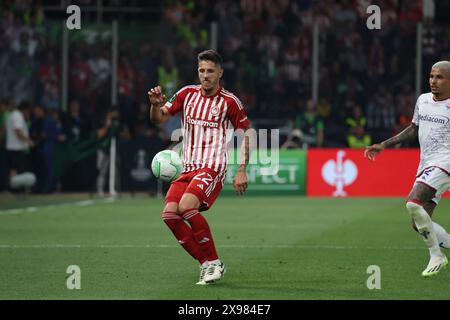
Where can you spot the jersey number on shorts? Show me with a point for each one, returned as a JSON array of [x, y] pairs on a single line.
[[204, 177]]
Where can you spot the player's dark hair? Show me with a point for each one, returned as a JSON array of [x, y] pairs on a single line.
[[210, 55]]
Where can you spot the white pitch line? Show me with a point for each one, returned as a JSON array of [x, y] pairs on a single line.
[[82, 203], [149, 246]]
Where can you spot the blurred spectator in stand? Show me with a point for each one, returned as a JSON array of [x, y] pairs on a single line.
[[146, 69], [356, 129], [24, 44], [126, 76], [77, 129], [144, 130], [143, 125], [18, 143], [109, 127], [359, 138], [293, 141], [45, 132], [3, 164], [100, 86], [168, 73], [375, 64], [405, 108], [324, 108], [4, 113], [357, 61], [80, 79], [186, 66], [291, 68], [50, 82], [356, 119], [381, 114], [411, 11], [5, 68], [76, 126], [308, 128], [23, 67], [169, 81]]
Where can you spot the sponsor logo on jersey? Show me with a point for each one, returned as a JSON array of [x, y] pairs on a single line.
[[435, 119], [202, 123]]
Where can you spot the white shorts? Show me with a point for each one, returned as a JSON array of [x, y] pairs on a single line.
[[436, 179]]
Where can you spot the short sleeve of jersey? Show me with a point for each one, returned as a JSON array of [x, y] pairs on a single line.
[[237, 115], [415, 118], [175, 103]]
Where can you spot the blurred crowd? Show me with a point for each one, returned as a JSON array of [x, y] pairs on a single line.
[[366, 77]]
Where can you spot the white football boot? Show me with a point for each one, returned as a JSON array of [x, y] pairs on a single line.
[[201, 280], [435, 265], [214, 272]]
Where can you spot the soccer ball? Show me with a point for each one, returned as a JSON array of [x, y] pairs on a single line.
[[167, 165]]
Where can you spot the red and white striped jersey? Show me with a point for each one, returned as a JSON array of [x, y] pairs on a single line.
[[205, 121]]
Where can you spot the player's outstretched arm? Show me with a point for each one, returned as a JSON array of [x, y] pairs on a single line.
[[241, 180], [372, 151], [158, 114], [410, 133]]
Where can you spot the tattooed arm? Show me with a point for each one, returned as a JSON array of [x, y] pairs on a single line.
[[240, 180], [410, 133]]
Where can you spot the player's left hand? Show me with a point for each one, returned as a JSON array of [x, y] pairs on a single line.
[[240, 182]]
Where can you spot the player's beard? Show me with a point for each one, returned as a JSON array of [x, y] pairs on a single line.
[[208, 87]]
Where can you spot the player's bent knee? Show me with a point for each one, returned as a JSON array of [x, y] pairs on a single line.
[[416, 211], [171, 207], [187, 203], [183, 207]]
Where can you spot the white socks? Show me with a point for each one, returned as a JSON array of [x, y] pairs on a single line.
[[442, 235], [425, 227], [207, 263], [217, 261]]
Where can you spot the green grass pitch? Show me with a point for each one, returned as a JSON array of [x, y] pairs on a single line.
[[274, 248]]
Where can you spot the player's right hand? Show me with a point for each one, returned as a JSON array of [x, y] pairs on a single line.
[[372, 151], [156, 96]]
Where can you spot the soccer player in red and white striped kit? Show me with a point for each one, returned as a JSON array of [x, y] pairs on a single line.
[[208, 111]]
